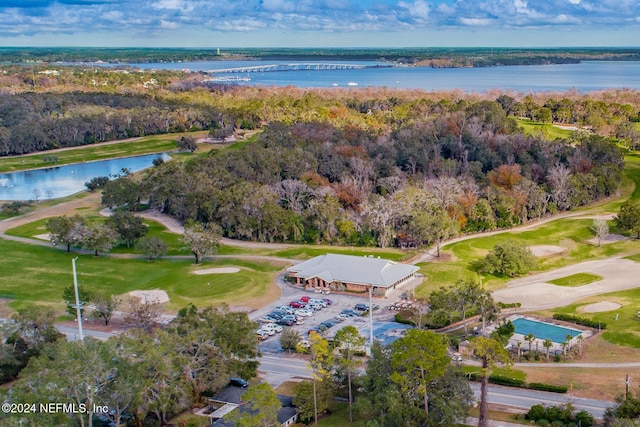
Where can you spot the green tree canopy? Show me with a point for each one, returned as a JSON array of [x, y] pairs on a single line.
[[508, 258]]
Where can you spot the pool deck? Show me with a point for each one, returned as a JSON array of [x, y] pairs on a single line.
[[537, 343]]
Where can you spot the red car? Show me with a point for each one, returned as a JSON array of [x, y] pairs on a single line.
[[297, 304], [305, 298]]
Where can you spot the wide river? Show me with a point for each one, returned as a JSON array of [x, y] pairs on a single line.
[[585, 77]]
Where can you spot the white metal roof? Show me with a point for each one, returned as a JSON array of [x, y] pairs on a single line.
[[353, 269]]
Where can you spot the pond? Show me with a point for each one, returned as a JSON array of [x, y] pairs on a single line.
[[62, 181]]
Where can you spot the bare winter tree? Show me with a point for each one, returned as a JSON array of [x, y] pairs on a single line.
[[294, 194], [559, 181], [600, 228]]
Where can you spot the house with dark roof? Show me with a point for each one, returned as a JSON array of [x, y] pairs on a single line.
[[352, 273], [229, 399]]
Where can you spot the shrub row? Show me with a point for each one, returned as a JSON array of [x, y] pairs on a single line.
[[548, 387], [580, 320], [515, 382]]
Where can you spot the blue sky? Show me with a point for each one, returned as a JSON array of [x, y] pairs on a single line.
[[319, 23]]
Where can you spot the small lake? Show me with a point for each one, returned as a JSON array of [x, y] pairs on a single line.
[[62, 181]]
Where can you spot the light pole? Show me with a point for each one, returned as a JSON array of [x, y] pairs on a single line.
[[78, 306], [370, 318]]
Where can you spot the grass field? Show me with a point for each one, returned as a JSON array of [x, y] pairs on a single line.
[[576, 280], [546, 129], [38, 274]]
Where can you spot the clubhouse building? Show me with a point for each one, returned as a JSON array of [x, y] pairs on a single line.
[[348, 273]]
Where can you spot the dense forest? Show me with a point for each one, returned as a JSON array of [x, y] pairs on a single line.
[[360, 167]]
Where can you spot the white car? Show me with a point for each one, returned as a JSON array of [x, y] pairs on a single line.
[[321, 302], [303, 313], [262, 331], [342, 317], [273, 327]]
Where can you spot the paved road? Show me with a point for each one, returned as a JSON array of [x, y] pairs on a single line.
[[277, 368], [72, 333]]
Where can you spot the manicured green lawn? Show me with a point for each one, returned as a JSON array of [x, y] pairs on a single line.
[[626, 330], [32, 273], [307, 251], [144, 145], [574, 232], [550, 131], [576, 280], [175, 245]]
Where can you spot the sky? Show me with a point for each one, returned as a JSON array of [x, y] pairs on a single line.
[[320, 23]]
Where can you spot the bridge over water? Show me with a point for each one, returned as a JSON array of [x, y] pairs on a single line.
[[291, 67]]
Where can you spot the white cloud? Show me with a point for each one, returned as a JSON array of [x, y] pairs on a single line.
[[521, 6], [418, 9], [168, 25], [476, 22], [278, 5], [169, 4], [575, 1]]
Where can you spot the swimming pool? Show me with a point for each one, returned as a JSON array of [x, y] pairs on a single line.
[[543, 331]]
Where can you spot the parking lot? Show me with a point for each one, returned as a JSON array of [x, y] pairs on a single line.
[[385, 329]]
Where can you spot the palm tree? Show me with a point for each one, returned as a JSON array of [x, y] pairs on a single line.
[[580, 339], [569, 339], [547, 344], [492, 353], [530, 338]]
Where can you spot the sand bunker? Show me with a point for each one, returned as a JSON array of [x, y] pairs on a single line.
[[546, 250], [46, 236], [217, 270], [601, 306], [153, 296], [610, 238]]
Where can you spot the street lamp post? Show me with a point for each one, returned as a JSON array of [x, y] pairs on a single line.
[[371, 317], [78, 306]]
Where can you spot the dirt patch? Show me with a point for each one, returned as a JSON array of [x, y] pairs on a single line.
[[609, 238], [46, 236], [218, 270], [601, 306], [546, 250], [157, 296]]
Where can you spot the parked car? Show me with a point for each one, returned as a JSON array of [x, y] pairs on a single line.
[[361, 307], [349, 312], [291, 317], [342, 317], [266, 331], [328, 323], [285, 322], [238, 382], [262, 335], [266, 319], [314, 306], [272, 326], [297, 304], [276, 315], [318, 301], [303, 312], [327, 300], [304, 298]]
